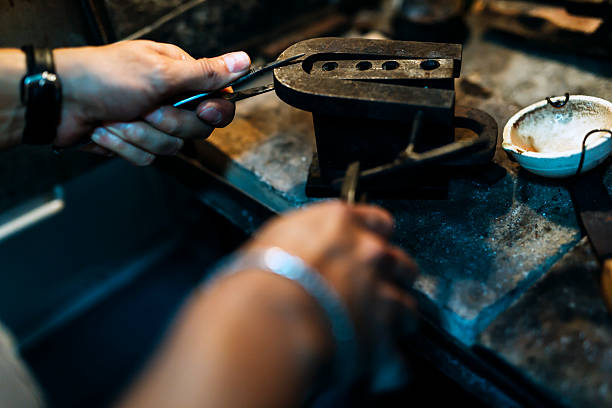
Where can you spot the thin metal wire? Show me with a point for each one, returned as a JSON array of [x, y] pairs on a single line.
[[583, 154], [558, 104], [253, 72]]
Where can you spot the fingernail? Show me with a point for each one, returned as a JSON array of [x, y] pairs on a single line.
[[155, 117], [211, 115], [179, 145], [237, 61], [97, 134], [147, 159], [105, 138]]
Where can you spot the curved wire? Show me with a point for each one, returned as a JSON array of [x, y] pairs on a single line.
[[558, 104], [583, 154]]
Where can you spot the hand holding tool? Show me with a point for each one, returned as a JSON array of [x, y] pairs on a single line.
[[191, 102]]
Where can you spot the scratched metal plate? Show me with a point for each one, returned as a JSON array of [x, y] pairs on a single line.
[[482, 248]]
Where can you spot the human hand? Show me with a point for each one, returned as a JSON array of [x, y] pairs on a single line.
[[349, 246], [255, 339], [116, 94]]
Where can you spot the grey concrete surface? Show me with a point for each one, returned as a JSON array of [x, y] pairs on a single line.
[[559, 334], [477, 250], [480, 249]]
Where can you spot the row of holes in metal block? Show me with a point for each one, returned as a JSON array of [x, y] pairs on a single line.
[[427, 65]]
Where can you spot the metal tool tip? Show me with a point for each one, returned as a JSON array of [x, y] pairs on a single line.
[[293, 57]]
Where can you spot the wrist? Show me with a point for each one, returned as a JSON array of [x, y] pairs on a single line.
[[12, 112], [41, 93], [69, 69], [293, 270], [275, 316], [258, 292], [73, 73], [248, 339]]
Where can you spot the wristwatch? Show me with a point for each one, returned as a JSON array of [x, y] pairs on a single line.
[[41, 94]]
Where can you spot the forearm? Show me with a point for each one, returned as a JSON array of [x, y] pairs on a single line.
[[255, 340], [12, 113]]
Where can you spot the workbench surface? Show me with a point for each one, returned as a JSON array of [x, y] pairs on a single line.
[[502, 266]]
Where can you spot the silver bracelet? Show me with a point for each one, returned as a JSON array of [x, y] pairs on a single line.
[[281, 263]]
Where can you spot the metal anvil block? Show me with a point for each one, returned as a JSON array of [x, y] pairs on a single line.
[[364, 94]]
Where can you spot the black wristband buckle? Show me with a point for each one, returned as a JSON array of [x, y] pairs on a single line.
[[41, 93]]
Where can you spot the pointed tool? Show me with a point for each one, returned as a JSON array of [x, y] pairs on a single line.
[[188, 103]]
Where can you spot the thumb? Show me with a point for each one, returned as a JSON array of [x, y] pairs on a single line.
[[206, 74]]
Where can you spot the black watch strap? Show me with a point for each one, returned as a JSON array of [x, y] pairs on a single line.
[[41, 93]]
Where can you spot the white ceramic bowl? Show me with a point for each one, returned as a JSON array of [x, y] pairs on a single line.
[[548, 141]]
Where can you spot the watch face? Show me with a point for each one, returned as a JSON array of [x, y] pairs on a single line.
[[42, 96], [44, 81]]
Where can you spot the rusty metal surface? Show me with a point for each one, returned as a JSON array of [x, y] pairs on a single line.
[[559, 334], [484, 246], [323, 92], [388, 104]]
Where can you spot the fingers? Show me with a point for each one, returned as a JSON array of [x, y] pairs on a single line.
[[208, 73], [161, 132], [393, 293], [179, 123], [395, 305], [187, 125], [374, 219], [146, 137], [214, 113], [217, 112], [404, 271], [397, 309], [390, 263], [108, 140]]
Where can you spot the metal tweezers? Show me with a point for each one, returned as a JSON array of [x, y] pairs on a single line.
[[348, 190], [190, 103]]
